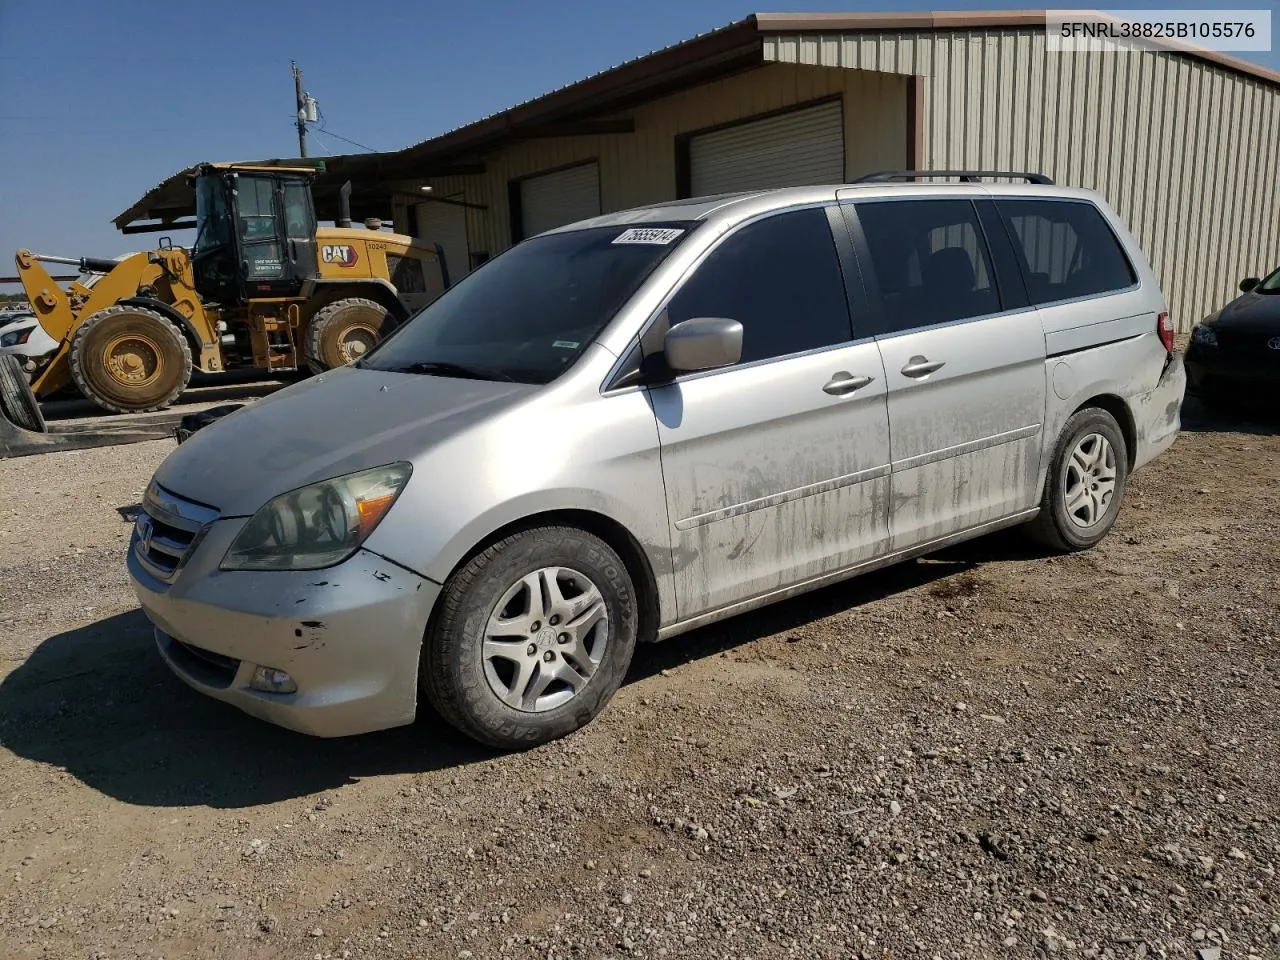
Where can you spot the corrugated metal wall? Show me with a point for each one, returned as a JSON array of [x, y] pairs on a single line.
[[639, 168], [1186, 151]]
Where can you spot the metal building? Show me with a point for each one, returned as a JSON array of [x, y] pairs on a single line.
[[1185, 145]]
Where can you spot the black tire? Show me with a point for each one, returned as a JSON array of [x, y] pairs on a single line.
[[455, 678], [1055, 526], [130, 359], [18, 402], [344, 331]]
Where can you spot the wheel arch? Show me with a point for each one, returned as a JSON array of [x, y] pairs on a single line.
[[159, 306], [618, 537], [1115, 405]]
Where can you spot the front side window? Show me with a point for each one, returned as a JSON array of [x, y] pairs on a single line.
[[1067, 249], [1270, 284], [528, 314], [930, 261], [213, 222], [780, 278]]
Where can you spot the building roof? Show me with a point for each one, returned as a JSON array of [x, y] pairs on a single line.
[[591, 105]]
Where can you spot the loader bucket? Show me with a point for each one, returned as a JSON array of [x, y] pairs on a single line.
[[16, 441]]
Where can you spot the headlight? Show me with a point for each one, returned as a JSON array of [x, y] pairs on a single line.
[[1204, 336], [15, 337], [319, 525]]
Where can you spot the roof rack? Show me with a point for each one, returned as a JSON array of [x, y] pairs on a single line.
[[967, 176]]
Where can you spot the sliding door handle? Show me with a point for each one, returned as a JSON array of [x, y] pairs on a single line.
[[918, 367], [842, 382]]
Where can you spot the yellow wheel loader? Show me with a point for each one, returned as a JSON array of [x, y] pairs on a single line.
[[262, 287]]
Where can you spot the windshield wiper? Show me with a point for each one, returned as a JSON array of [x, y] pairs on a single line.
[[443, 368]]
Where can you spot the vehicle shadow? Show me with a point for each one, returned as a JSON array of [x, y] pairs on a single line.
[[1241, 418], [793, 614], [98, 702]]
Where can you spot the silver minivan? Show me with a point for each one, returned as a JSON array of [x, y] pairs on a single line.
[[626, 428]]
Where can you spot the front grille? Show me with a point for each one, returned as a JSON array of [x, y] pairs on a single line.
[[167, 530]]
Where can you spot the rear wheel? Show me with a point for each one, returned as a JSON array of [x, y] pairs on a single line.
[[130, 359], [16, 399], [1085, 485], [533, 638], [345, 331]]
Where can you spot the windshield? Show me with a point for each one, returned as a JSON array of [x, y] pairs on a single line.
[[1270, 285], [212, 221], [528, 314]]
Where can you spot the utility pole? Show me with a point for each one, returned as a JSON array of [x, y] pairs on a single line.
[[302, 112]]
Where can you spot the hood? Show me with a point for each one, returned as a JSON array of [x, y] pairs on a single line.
[[1252, 311], [336, 423]]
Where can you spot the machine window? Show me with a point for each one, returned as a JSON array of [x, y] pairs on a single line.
[[406, 274]]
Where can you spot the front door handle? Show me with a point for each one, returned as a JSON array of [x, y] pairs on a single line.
[[843, 382], [918, 367]]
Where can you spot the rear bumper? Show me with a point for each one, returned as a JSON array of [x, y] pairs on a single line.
[[1158, 414], [350, 637]]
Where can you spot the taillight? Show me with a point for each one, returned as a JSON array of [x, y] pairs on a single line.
[[1164, 327]]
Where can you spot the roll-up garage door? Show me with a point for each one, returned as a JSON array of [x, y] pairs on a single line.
[[789, 150], [554, 199], [446, 224]]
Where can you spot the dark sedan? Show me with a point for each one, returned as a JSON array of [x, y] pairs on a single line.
[[1235, 353]]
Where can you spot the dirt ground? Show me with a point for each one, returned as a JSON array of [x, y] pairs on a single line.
[[988, 753]]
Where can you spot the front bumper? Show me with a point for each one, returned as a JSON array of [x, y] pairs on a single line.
[[350, 636], [1211, 374]]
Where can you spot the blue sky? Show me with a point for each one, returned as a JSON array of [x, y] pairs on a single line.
[[100, 101]]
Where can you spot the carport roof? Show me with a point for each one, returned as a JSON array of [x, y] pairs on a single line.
[[578, 107]]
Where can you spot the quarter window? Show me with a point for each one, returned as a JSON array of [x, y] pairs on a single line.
[[1067, 249], [780, 278], [930, 261]]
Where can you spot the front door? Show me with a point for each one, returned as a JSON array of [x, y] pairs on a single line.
[[965, 372], [776, 469]]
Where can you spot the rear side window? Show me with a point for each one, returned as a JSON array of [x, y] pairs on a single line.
[[1067, 249], [930, 261], [780, 278]]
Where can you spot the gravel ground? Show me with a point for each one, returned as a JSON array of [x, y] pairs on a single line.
[[988, 753]]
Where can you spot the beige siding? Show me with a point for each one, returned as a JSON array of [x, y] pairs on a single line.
[[1186, 151], [640, 167]]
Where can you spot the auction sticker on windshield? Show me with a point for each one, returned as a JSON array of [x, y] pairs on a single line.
[[659, 235]]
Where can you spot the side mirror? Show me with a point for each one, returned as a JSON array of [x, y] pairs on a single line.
[[1248, 283], [703, 343]]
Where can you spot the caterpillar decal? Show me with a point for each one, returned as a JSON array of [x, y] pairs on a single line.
[[344, 255]]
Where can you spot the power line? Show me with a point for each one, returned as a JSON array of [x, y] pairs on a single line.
[[324, 128]]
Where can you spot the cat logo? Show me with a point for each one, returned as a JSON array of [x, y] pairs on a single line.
[[344, 255]]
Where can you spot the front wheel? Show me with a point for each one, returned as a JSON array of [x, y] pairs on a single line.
[[1086, 482], [129, 359], [534, 636]]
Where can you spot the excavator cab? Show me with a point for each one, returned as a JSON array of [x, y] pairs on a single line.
[[255, 234]]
